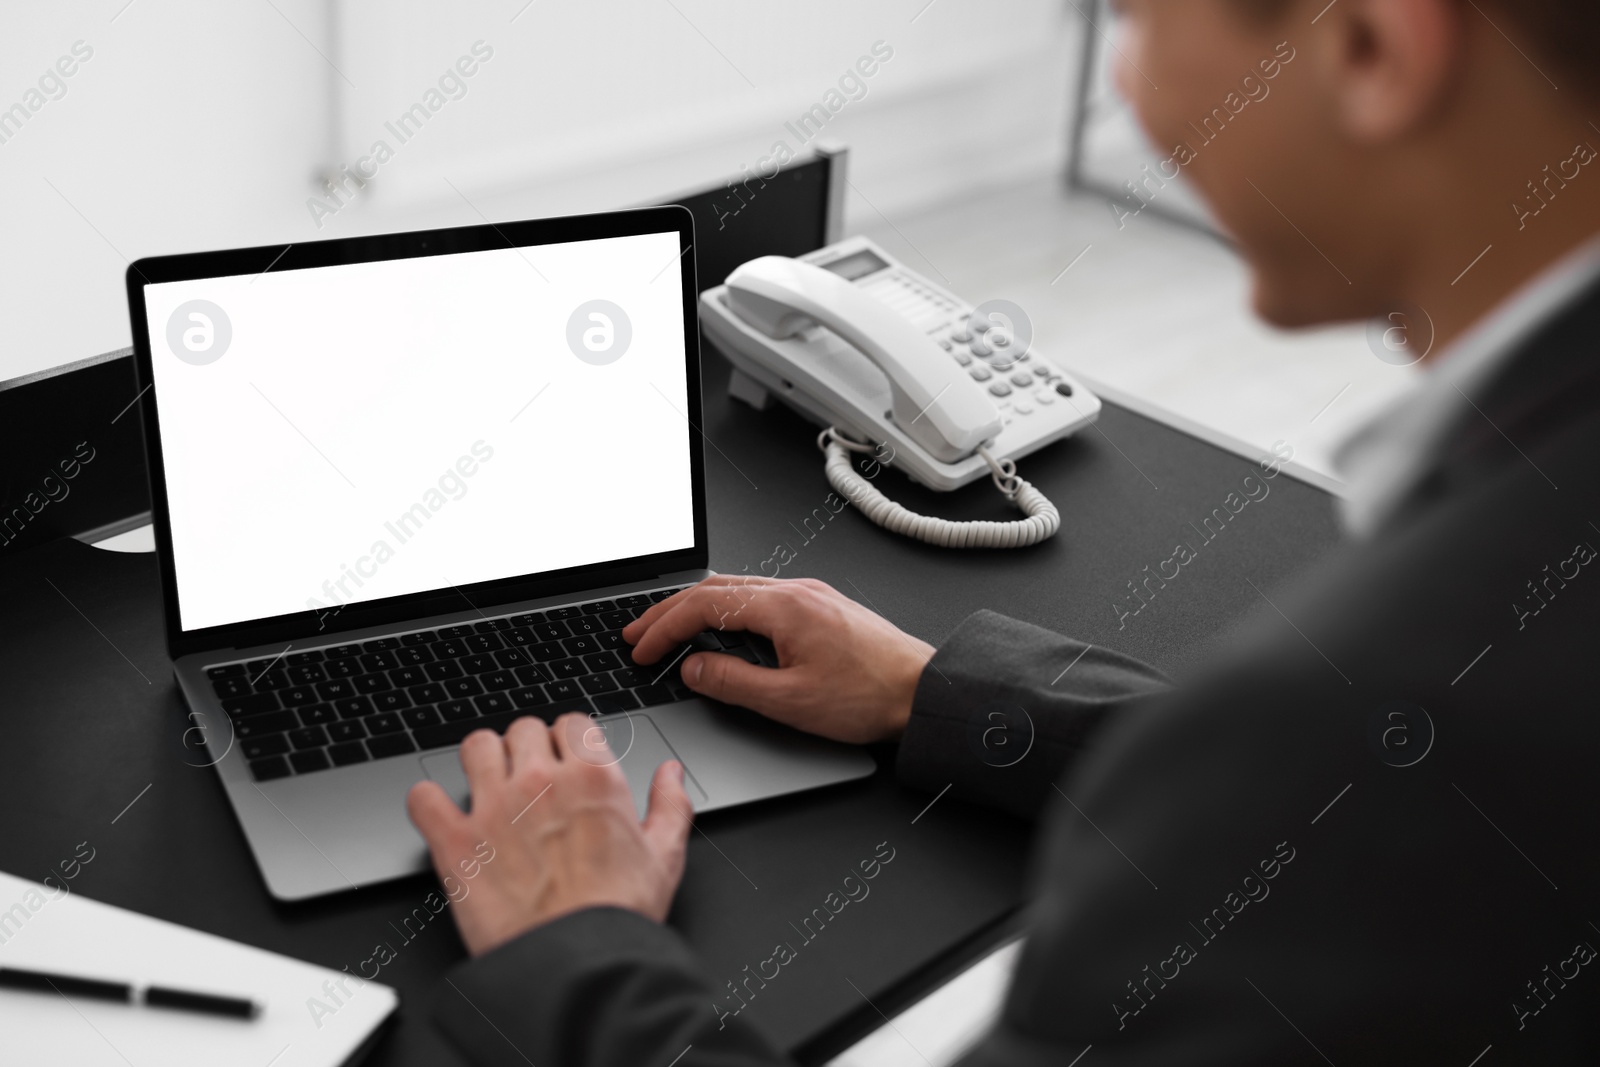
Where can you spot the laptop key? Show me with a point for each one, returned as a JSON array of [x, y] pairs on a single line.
[[270, 681], [270, 745], [451, 733], [231, 687], [628, 677], [478, 663], [341, 651], [661, 594], [421, 637], [380, 644], [318, 715], [262, 725], [545, 651], [493, 703], [387, 722], [307, 673], [533, 674], [342, 668], [227, 670], [457, 710], [496, 681], [483, 643], [259, 704], [528, 696], [463, 687], [308, 761], [518, 635], [527, 620], [598, 683], [569, 668], [611, 639], [452, 648], [611, 703], [586, 624], [565, 689], [348, 753], [595, 607], [512, 657], [349, 730], [391, 700], [602, 661], [392, 745], [308, 737], [489, 625], [564, 613], [405, 677], [430, 693], [637, 600], [371, 683], [616, 620], [378, 661], [582, 645], [335, 689], [353, 707], [301, 659], [551, 631], [651, 695], [265, 770], [455, 631], [296, 695], [424, 716], [413, 656], [443, 669]]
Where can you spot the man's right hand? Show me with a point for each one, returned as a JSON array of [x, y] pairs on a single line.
[[843, 671]]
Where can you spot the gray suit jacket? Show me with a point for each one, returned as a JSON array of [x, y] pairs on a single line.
[[1369, 836]]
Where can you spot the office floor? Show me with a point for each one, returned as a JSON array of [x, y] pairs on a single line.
[[1155, 313]]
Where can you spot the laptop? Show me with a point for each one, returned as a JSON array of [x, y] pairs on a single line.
[[409, 486]]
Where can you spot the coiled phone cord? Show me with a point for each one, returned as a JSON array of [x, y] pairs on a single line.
[[1042, 522]]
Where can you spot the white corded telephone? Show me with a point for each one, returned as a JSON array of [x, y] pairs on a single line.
[[877, 354]]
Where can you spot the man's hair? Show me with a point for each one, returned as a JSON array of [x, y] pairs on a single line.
[[1564, 32]]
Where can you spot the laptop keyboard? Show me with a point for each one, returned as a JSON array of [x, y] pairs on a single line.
[[314, 709]]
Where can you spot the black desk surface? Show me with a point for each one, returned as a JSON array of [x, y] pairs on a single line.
[[92, 720]]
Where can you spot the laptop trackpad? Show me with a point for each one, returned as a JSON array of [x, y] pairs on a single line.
[[630, 740]]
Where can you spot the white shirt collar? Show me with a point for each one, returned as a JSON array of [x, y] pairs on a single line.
[[1383, 458]]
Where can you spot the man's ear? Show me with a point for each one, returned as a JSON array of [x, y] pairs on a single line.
[[1389, 64]]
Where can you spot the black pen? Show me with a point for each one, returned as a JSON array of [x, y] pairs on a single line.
[[122, 992]]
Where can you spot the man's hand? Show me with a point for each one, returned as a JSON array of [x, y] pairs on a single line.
[[843, 671], [555, 808]]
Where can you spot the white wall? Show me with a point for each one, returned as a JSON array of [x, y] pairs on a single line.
[[201, 125]]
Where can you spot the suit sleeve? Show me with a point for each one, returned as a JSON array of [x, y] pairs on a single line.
[[1004, 707], [603, 987]]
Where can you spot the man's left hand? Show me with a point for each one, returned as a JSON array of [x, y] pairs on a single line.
[[556, 811]]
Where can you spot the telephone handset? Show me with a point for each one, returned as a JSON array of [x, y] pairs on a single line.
[[878, 355]]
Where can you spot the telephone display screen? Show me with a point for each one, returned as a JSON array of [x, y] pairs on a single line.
[[856, 265], [367, 430]]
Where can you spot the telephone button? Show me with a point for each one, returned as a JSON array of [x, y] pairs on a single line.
[[962, 357], [1063, 388], [1044, 397], [1041, 370], [1022, 407], [1022, 379], [980, 373], [1000, 389]]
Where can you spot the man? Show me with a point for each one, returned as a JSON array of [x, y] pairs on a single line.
[[1376, 826]]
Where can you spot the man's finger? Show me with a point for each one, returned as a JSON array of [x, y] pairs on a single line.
[[670, 814], [435, 815], [483, 757], [733, 681], [730, 606], [578, 737], [528, 744], [631, 632]]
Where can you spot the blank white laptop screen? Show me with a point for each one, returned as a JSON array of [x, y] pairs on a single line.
[[347, 433]]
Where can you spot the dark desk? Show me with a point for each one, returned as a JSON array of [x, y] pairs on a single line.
[[92, 721]]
